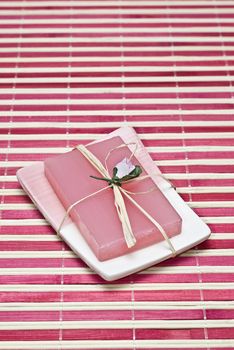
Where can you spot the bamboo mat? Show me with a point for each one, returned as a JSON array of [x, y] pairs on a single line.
[[71, 71]]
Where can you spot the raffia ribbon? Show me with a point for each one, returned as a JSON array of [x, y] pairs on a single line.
[[118, 200]]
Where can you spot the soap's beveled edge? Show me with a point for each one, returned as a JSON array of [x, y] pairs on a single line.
[[127, 264]]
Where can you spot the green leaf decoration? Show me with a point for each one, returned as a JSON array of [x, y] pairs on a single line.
[[115, 170]]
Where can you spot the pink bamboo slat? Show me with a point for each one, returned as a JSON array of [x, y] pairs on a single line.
[[71, 72]]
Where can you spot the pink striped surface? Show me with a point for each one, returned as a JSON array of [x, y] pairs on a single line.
[[71, 71]]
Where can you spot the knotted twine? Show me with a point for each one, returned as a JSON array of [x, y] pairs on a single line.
[[118, 192]]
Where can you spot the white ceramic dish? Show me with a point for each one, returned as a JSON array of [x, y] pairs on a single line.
[[194, 230]]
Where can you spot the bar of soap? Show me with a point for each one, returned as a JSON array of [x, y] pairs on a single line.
[[96, 217]]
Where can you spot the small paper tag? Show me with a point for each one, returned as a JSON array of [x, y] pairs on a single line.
[[124, 168]]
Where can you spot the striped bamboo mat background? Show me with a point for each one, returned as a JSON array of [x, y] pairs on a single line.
[[71, 71]]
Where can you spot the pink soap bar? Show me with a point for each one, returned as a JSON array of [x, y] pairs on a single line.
[[96, 217]]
